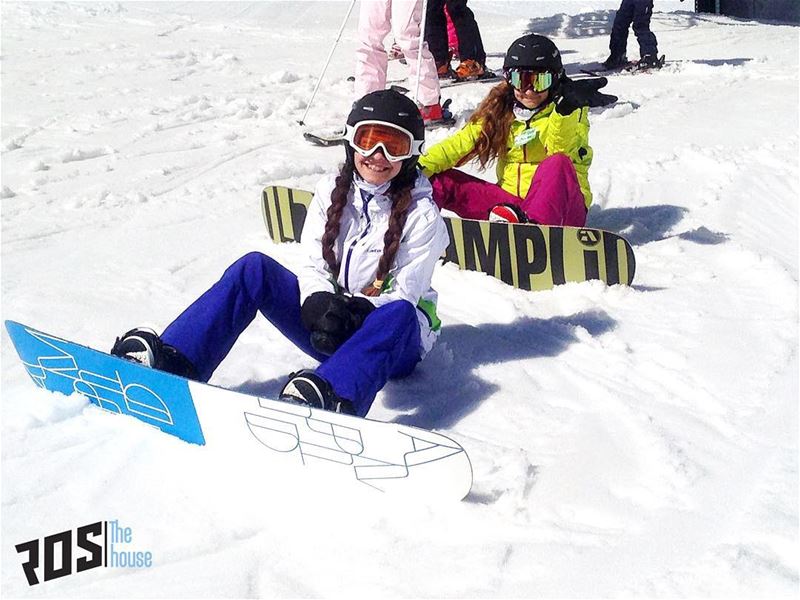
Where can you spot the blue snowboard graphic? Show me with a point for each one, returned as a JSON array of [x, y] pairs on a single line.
[[116, 385]]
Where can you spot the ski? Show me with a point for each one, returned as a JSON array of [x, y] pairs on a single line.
[[522, 255], [334, 137], [261, 433], [489, 77]]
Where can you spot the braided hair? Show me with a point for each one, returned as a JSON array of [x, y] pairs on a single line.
[[388, 106], [400, 195]]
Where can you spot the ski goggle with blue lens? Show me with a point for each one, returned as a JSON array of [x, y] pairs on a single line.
[[520, 79]]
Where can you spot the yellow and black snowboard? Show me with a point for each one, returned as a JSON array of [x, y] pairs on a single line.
[[526, 256]]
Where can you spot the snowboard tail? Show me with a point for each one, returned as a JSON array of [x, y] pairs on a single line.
[[349, 450], [525, 256]]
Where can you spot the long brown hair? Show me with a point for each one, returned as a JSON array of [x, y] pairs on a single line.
[[495, 113], [399, 193]]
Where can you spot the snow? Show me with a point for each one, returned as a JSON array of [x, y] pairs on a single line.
[[626, 442]]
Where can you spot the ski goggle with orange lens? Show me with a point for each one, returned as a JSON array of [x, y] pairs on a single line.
[[397, 143], [538, 81]]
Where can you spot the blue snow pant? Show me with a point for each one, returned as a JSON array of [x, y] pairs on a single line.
[[637, 12], [386, 346]]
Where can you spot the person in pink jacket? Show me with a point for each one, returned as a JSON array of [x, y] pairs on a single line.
[[376, 19]]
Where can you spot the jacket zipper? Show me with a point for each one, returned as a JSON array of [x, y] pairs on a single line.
[[365, 214], [524, 159]]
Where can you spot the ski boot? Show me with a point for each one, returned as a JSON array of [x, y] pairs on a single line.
[[445, 71], [437, 115], [469, 70]]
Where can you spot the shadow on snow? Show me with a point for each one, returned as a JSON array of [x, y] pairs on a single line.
[[599, 23], [445, 387], [644, 224]]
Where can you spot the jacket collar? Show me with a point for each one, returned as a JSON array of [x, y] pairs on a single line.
[[422, 189], [523, 114], [369, 188]]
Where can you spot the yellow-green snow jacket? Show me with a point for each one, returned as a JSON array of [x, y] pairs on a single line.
[[554, 133]]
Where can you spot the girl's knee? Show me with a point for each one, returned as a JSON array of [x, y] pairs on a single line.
[[400, 310], [560, 160], [253, 258], [252, 264], [559, 164]]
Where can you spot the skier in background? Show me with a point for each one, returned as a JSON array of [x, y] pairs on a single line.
[[638, 13], [376, 19], [361, 303], [470, 45], [535, 126]]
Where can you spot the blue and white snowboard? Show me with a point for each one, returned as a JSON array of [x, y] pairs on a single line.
[[388, 457]]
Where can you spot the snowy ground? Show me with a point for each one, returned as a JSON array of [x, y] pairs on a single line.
[[626, 442]]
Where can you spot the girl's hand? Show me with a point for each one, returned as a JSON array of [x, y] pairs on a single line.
[[574, 94], [333, 318]]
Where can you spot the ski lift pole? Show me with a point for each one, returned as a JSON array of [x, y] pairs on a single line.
[[419, 50], [327, 62]]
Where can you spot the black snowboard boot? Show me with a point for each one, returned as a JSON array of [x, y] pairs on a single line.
[[306, 388], [615, 62], [143, 346], [648, 61]]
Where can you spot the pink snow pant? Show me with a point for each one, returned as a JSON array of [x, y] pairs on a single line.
[[376, 19], [554, 198], [452, 38]]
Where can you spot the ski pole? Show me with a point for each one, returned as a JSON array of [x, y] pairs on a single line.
[[419, 50], [327, 62]]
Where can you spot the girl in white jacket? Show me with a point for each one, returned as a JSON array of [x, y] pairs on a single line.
[[362, 303]]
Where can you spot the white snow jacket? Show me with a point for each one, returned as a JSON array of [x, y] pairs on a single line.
[[360, 245]]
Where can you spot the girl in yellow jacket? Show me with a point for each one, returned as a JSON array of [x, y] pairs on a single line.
[[535, 127]]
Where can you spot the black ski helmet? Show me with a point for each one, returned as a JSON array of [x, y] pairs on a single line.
[[534, 51], [389, 106]]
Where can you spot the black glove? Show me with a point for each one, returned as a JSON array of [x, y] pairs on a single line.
[[573, 94], [359, 308], [333, 318]]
